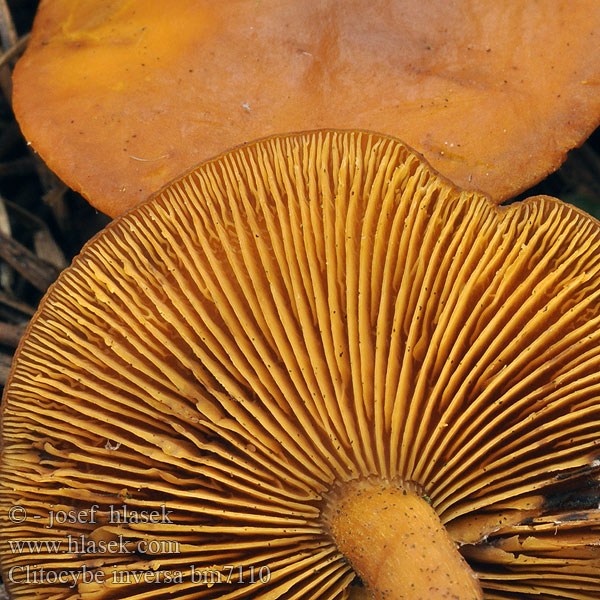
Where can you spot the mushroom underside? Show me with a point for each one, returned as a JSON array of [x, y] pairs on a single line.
[[203, 388]]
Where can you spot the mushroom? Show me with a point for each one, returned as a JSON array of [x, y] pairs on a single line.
[[312, 368], [493, 94]]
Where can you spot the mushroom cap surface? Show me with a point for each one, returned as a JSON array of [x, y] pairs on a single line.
[[300, 314], [120, 96]]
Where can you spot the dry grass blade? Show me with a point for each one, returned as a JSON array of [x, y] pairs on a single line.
[[38, 272], [15, 51], [8, 33], [10, 335], [17, 305]]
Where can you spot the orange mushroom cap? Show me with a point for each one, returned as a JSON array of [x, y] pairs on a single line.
[[312, 358], [120, 96]]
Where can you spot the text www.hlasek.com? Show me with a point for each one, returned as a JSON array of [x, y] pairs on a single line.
[[83, 545]]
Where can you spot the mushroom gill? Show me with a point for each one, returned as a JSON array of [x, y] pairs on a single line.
[[312, 369]]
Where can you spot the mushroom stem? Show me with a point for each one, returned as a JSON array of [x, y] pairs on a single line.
[[397, 544]]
